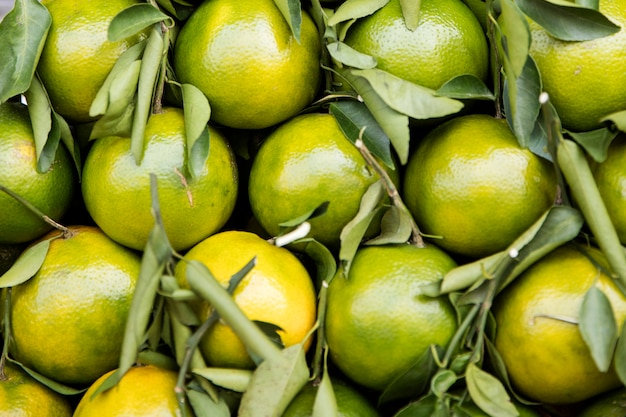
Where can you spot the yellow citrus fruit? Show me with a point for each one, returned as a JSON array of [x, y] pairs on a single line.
[[537, 334], [470, 182], [117, 191], [350, 402], [51, 192], [586, 80], [243, 56], [379, 321], [68, 320], [23, 396], [610, 177], [145, 390], [448, 42], [303, 163], [77, 56], [278, 290]]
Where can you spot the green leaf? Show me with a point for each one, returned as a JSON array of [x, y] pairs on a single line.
[[68, 140], [352, 116], [467, 274], [424, 407], [292, 12], [197, 114], [575, 168], [568, 21], [595, 142], [408, 98], [411, 13], [311, 214], [354, 9], [229, 378], [488, 393], [441, 382], [620, 355], [48, 382], [598, 327], [26, 265], [515, 35], [352, 233], [466, 86], [150, 65], [325, 403], [523, 108], [23, 32], [394, 123], [415, 380], [46, 133], [350, 56], [618, 118], [181, 10], [204, 406], [133, 20], [395, 228], [274, 383], [325, 264]]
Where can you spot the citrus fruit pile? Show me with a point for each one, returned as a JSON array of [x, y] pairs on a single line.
[[313, 208]]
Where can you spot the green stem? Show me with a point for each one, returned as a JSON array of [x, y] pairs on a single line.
[[35, 210], [7, 333], [321, 345], [458, 335], [207, 287]]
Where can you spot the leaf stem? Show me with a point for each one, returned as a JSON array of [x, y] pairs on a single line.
[[321, 346], [392, 191], [7, 332], [66, 232]]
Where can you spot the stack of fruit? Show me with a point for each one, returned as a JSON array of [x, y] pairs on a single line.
[[313, 208]]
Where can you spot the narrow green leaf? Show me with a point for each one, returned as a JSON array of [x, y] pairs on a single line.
[[150, 65], [523, 108], [204, 406], [325, 403], [352, 116], [591, 4], [311, 214], [292, 12], [466, 275], [23, 32], [101, 102], [26, 265], [411, 12], [620, 355], [395, 228], [274, 383], [415, 380], [408, 98], [197, 114], [68, 140], [133, 20], [353, 232], [49, 382], [598, 327], [488, 393], [46, 132], [466, 86], [394, 123], [595, 142], [229, 378], [617, 118], [424, 407], [350, 56], [354, 9], [516, 33], [179, 9], [575, 167], [568, 21], [325, 264], [441, 382]]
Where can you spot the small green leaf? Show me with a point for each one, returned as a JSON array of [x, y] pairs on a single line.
[[467, 274], [353, 232], [204, 406], [465, 86], [68, 140], [523, 108], [488, 393], [618, 118], [394, 123], [411, 12], [229, 378], [354, 9], [598, 327], [516, 36], [48, 382], [395, 228], [424, 407], [352, 116], [150, 65], [325, 264], [197, 113], [414, 380], [311, 214], [133, 20], [325, 403], [441, 382], [595, 142], [180, 9], [620, 355], [23, 32], [46, 133], [292, 12], [568, 21], [26, 265], [350, 56], [274, 383]]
